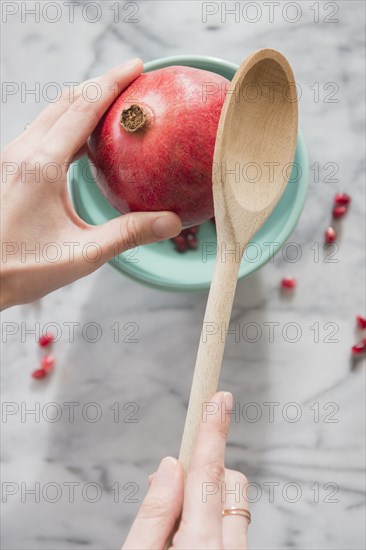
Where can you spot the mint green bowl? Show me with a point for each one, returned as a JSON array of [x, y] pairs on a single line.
[[159, 265]]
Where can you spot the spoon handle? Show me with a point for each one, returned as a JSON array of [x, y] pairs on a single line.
[[211, 348]]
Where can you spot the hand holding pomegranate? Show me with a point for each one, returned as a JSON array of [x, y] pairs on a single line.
[[45, 245]]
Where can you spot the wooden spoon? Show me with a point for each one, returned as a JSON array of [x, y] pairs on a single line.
[[254, 152]]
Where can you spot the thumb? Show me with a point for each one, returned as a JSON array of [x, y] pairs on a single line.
[[134, 229]]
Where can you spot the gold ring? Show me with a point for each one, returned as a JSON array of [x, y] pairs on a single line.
[[237, 512]]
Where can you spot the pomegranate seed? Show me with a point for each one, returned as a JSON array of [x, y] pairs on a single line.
[[186, 239], [339, 211], [342, 199], [46, 339], [39, 373], [288, 283], [47, 363], [192, 242], [179, 240], [180, 243], [330, 235], [360, 347], [361, 322], [181, 246]]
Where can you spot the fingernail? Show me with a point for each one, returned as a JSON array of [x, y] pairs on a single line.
[[131, 62], [166, 471], [166, 227], [228, 399]]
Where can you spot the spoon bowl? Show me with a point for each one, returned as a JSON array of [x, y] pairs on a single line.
[[256, 141]]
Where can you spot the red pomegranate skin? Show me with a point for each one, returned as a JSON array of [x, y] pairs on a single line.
[[166, 164]]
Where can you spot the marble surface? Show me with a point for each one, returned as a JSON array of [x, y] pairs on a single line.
[[89, 477]]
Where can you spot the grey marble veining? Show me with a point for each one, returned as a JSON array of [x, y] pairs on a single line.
[[96, 472]]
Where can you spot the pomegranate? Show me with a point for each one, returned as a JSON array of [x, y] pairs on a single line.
[[153, 149]]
